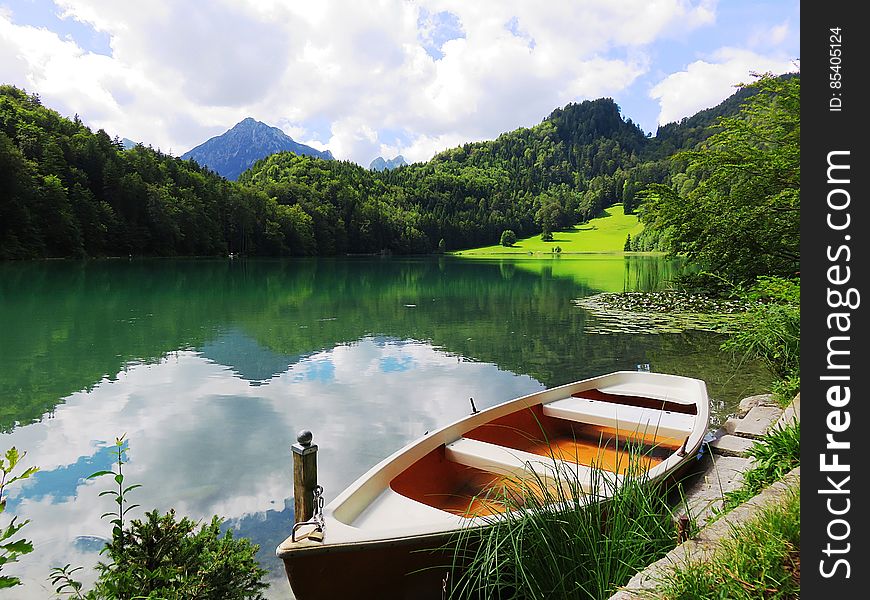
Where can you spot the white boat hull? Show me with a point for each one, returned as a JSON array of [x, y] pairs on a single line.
[[411, 500]]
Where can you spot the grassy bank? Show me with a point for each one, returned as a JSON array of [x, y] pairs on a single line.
[[603, 234], [558, 541], [760, 560]]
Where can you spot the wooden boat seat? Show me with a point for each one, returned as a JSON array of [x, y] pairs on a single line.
[[622, 417], [524, 465]]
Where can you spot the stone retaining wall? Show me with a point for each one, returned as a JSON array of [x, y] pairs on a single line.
[[720, 471]]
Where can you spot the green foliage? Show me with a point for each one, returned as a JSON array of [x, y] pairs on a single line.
[[778, 290], [554, 210], [11, 549], [775, 455], [163, 557], [64, 582], [119, 495], [167, 557], [508, 238], [627, 246], [768, 330], [785, 389], [771, 333], [736, 211], [557, 541]]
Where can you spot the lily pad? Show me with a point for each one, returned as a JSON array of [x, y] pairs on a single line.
[[661, 312]]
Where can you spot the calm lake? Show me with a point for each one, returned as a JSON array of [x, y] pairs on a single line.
[[211, 367]]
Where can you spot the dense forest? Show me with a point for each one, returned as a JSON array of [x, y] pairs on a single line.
[[70, 192]]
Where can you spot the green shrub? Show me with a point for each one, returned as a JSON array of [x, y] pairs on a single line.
[[162, 557], [166, 557], [785, 389], [772, 332], [508, 238]]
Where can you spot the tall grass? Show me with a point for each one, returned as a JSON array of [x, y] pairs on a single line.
[[771, 333], [563, 537]]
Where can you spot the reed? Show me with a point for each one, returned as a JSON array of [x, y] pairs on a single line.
[[563, 538]]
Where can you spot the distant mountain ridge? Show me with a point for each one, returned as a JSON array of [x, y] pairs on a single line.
[[249, 140], [380, 164], [576, 162]]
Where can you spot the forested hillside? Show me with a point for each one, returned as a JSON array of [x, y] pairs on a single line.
[[732, 205], [66, 191]]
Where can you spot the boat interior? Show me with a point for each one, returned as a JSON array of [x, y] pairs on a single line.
[[595, 437]]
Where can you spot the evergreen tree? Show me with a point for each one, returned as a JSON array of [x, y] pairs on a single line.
[[742, 218]]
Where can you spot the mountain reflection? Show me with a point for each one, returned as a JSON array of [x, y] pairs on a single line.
[[210, 368]]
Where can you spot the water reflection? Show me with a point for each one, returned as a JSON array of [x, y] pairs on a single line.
[[205, 440], [211, 367]]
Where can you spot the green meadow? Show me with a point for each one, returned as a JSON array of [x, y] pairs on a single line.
[[602, 234], [599, 272]]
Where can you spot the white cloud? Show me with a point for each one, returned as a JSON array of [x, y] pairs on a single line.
[[704, 84], [770, 36], [181, 72], [45, 63]]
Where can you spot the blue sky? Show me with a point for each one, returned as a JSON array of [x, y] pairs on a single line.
[[384, 77]]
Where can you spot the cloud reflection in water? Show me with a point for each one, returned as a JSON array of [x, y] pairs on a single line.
[[205, 440]]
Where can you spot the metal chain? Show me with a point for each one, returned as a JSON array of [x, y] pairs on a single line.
[[318, 507], [316, 518]]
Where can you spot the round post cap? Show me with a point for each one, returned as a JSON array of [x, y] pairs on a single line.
[[303, 445], [304, 438]]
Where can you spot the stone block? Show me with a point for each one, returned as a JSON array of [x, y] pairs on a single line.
[[757, 421], [751, 402], [704, 493], [731, 445], [791, 414]]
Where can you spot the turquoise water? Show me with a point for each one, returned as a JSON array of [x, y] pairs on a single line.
[[211, 367]]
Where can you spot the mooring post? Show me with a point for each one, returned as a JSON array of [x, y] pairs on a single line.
[[304, 476], [682, 529]]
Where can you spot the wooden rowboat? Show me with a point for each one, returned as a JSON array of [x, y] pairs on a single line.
[[378, 538]]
